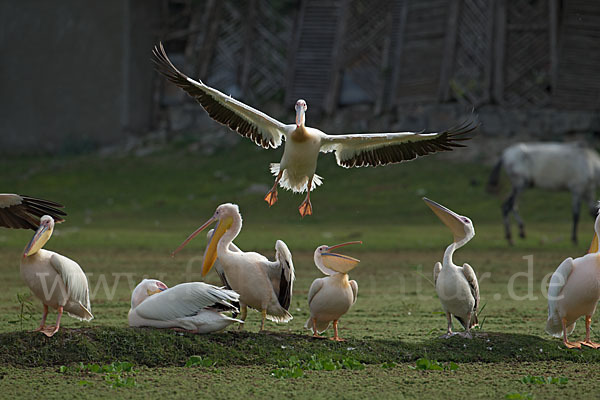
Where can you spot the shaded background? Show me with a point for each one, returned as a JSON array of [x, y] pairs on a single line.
[[77, 76]]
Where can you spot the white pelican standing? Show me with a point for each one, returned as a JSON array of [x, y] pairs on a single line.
[[262, 284], [194, 306], [56, 280], [331, 297], [24, 212], [573, 292], [297, 168], [457, 287]]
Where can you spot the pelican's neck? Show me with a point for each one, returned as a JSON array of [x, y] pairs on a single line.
[[300, 134], [449, 253], [230, 235], [342, 278]]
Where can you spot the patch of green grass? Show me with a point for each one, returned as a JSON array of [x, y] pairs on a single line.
[[540, 380], [425, 364]]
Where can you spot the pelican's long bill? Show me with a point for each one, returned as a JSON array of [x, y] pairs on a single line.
[[339, 262], [594, 245], [451, 219], [37, 241], [210, 256]]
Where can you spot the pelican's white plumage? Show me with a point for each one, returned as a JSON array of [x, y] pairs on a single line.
[[193, 306], [457, 287], [297, 168], [332, 296], [262, 284], [56, 280], [574, 292], [17, 211]]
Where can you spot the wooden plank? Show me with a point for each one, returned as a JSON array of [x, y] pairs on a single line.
[[297, 29], [553, 25], [449, 49], [397, 53], [213, 11], [249, 23], [499, 47], [385, 66], [333, 92]]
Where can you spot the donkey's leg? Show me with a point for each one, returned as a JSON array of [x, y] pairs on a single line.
[[506, 209], [592, 202], [575, 205], [515, 209]]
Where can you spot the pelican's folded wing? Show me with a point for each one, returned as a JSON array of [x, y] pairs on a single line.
[[262, 129], [185, 300], [75, 281], [473, 284], [373, 149], [24, 212]]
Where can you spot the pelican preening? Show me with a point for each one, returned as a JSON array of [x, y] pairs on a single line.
[[573, 292], [194, 306], [56, 280], [297, 168], [332, 296], [25, 212], [262, 284], [456, 286]]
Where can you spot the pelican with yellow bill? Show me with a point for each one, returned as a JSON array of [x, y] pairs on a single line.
[[263, 285], [331, 297], [56, 280], [456, 286]]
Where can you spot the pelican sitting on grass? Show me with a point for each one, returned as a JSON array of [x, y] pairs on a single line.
[[262, 284], [56, 280], [456, 286], [331, 297], [297, 169], [194, 306], [573, 292]]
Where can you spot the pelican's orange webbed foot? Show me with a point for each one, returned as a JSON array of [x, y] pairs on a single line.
[[590, 344], [337, 339], [271, 197], [305, 208], [49, 330], [571, 345]]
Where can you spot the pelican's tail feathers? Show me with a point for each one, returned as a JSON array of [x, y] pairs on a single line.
[[285, 317], [554, 326], [78, 311], [295, 184], [321, 325]]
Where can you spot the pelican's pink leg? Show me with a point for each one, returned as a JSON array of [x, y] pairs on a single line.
[[315, 331], [43, 323], [51, 330], [271, 197], [588, 342], [570, 345], [306, 208], [335, 333]]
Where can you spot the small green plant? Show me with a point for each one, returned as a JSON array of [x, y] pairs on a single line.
[[116, 374], [294, 367], [26, 309], [199, 361], [424, 364], [479, 313], [540, 380], [519, 396], [284, 373], [388, 365]]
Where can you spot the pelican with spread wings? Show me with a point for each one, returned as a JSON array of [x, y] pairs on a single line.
[[24, 212], [456, 286], [297, 169]]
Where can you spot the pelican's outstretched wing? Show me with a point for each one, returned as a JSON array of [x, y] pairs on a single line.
[[262, 129], [185, 300], [25, 212], [373, 149], [76, 283]]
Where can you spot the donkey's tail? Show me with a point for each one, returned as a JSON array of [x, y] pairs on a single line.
[[494, 180]]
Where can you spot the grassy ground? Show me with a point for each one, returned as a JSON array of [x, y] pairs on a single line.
[[127, 214]]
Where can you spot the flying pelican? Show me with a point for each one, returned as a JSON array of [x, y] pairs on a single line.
[[56, 280], [262, 284], [331, 297], [194, 306], [25, 212], [297, 168], [456, 286], [574, 291]]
